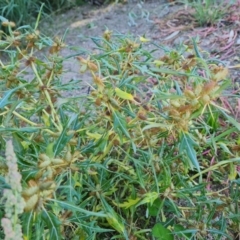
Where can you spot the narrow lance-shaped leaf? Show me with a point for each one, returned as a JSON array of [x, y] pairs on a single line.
[[63, 138], [187, 146], [5, 100], [129, 203], [53, 225], [113, 218], [23, 129], [75, 208], [120, 123], [123, 95], [27, 223]]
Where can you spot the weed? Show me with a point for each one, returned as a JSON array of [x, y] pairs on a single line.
[[150, 152], [208, 12]]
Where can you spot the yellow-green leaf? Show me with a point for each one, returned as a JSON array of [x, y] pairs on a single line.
[[46, 120], [95, 136], [123, 95], [233, 172], [158, 63], [115, 222], [143, 39], [129, 203], [149, 197]]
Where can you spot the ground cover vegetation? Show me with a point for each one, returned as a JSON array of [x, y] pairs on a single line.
[[152, 152], [24, 11]]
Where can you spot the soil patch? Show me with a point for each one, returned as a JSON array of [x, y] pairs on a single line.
[[163, 22]]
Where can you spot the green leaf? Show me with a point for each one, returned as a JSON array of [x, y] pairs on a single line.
[[129, 203], [213, 121], [18, 147], [120, 124], [3, 19], [156, 125], [72, 207], [225, 148], [49, 150], [5, 100], [53, 225], [170, 71], [197, 52], [63, 138], [27, 223], [187, 145], [232, 120], [114, 220], [162, 233], [23, 129], [179, 231], [149, 197], [155, 208]]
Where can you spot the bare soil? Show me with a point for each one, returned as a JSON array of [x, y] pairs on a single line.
[[163, 22]]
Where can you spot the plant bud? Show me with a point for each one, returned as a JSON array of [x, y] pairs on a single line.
[[44, 157], [68, 156], [31, 203], [206, 99], [209, 87], [39, 174], [46, 193], [44, 164], [57, 134], [50, 173], [71, 132], [30, 191], [57, 161], [114, 102], [82, 60], [142, 116], [8, 24], [92, 66], [175, 103], [16, 33], [73, 141], [188, 93], [116, 142], [107, 35], [98, 101], [98, 81], [45, 185]]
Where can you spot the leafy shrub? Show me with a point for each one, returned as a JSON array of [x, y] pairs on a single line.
[[151, 152]]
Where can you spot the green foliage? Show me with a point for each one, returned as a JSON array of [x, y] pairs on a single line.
[[150, 152], [19, 11], [208, 12], [160, 232], [24, 11]]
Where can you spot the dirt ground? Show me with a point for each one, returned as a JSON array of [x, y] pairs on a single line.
[[161, 21]]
